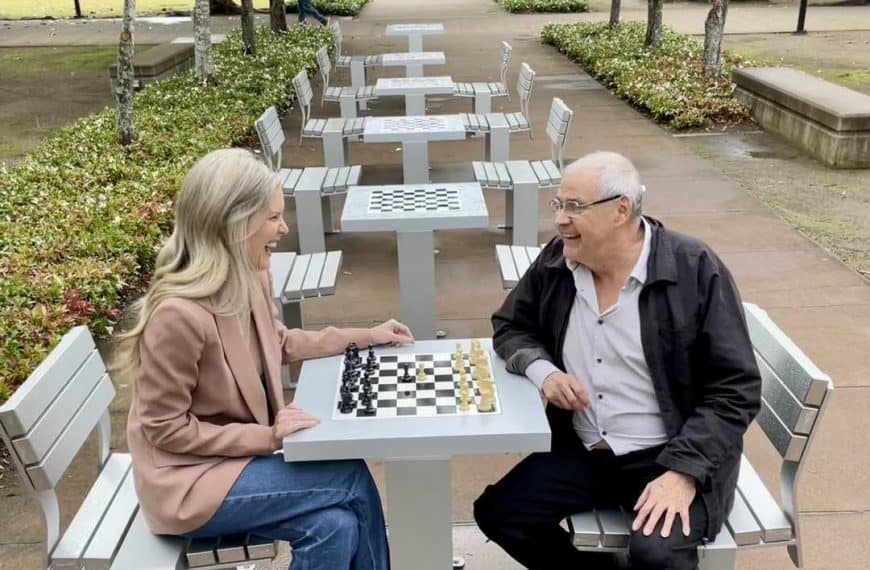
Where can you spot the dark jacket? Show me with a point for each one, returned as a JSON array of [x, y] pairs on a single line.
[[696, 345]]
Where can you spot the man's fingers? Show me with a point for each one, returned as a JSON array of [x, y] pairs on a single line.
[[669, 522], [642, 514], [578, 392], [684, 518], [652, 520], [642, 499]]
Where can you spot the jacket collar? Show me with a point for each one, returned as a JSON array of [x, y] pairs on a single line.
[[661, 265]]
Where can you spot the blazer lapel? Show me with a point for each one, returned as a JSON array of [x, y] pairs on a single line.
[[242, 366], [269, 350]]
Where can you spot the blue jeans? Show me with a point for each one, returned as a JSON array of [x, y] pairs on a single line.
[[329, 512], [307, 7]]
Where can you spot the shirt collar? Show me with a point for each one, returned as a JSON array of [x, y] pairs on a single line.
[[640, 268]]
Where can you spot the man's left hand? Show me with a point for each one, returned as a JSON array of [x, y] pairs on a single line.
[[669, 494]]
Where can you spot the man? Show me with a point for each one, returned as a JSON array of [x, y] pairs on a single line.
[[635, 336], [306, 8]]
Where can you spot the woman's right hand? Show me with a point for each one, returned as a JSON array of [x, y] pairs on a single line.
[[289, 420]]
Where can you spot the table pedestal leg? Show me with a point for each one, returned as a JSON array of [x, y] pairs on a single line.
[[415, 162], [334, 148], [508, 211], [358, 78], [292, 317], [309, 221], [417, 284], [419, 513], [348, 107], [415, 42], [482, 103], [525, 206], [414, 70], [415, 105], [328, 219], [498, 144]]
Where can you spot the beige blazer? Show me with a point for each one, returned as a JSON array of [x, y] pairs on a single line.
[[199, 413]]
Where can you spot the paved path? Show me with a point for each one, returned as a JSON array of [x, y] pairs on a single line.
[[821, 304]]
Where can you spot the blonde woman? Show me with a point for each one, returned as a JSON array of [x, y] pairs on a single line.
[[203, 353]]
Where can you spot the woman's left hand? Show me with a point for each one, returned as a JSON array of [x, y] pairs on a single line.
[[392, 332]]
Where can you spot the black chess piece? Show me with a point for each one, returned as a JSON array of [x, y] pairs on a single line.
[[347, 404], [366, 409], [406, 377], [372, 360]]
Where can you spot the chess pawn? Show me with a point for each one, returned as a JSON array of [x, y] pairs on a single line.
[[485, 404], [421, 372]]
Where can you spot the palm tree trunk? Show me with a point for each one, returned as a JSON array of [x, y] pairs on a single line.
[[654, 23], [614, 12], [124, 86], [714, 29], [202, 42], [248, 40]]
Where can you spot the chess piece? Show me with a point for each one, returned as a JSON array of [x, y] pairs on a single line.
[[421, 372], [485, 404], [406, 377], [463, 402], [372, 360]]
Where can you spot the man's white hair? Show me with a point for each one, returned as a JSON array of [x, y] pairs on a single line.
[[616, 176]]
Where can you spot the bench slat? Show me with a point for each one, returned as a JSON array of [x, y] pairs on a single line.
[[312, 276], [552, 171], [796, 416], [260, 548], [329, 183], [491, 175], [293, 289], [743, 526], [23, 408], [614, 527], [74, 541], [110, 532], [504, 179], [32, 447], [479, 172], [201, 552], [540, 172], [281, 263], [292, 180], [775, 527], [343, 174], [512, 121], [506, 266], [330, 273], [144, 550], [789, 445], [798, 372], [231, 548], [353, 176], [585, 529], [46, 474], [521, 259]]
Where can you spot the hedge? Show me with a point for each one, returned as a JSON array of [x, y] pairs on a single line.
[[666, 81], [543, 5], [331, 7], [81, 218]]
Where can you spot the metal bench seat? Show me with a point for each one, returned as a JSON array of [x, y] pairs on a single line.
[[501, 174], [349, 98], [479, 123], [44, 425], [357, 93], [513, 261], [350, 127], [492, 88], [335, 181], [484, 91], [348, 60]]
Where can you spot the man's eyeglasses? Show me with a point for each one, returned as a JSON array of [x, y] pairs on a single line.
[[573, 208]]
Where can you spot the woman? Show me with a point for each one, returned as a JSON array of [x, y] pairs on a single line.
[[204, 353]]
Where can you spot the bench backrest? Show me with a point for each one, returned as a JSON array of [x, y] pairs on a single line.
[[304, 95], [504, 59], [525, 82], [47, 420], [271, 135], [557, 129], [325, 66], [794, 394], [337, 37]]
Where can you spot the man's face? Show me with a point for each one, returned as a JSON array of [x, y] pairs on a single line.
[[584, 234]]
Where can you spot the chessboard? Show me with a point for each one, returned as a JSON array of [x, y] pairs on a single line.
[[414, 200], [389, 385], [415, 124]]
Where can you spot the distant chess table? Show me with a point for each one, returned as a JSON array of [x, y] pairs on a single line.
[[415, 33], [414, 89], [413, 62], [414, 132], [414, 212], [417, 449]]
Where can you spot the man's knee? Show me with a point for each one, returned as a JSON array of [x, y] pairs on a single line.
[[656, 553], [339, 525], [491, 510]]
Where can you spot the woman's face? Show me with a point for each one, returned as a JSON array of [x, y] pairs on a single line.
[[266, 229]]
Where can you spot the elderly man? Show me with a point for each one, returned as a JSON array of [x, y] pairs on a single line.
[[635, 336]]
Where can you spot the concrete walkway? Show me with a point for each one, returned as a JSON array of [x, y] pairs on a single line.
[[821, 304]]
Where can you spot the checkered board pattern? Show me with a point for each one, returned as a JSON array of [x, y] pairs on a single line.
[[415, 124], [413, 200], [438, 395]]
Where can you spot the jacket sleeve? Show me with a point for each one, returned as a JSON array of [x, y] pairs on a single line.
[[516, 328], [170, 350], [730, 384]]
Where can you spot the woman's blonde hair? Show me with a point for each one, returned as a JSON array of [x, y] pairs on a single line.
[[207, 253]]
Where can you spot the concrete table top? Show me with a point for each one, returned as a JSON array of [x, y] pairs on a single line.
[[438, 85], [414, 128]]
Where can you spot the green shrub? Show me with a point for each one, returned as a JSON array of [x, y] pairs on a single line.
[[666, 81], [543, 5], [331, 7], [81, 218]]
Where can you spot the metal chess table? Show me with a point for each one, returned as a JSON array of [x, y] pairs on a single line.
[[414, 212], [413, 61], [414, 133], [415, 33], [414, 89], [417, 450]]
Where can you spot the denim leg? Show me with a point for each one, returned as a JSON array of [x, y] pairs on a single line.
[[329, 511], [309, 7], [301, 9]]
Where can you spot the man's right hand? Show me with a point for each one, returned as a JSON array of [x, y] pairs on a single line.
[[564, 391], [290, 419]]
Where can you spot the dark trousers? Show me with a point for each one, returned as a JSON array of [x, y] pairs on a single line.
[[306, 8], [521, 513]]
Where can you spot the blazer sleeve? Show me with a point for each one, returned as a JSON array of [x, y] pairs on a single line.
[[170, 350], [299, 344]]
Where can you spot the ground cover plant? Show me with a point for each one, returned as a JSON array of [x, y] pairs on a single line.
[[666, 81], [16, 9], [81, 218], [525, 6]]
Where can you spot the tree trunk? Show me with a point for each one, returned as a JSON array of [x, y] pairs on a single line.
[[248, 41], [78, 9], [614, 12], [654, 23], [124, 86], [223, 7], [277, 16], [202, 42], [714, 29]]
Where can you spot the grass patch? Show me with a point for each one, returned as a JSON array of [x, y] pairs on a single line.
[[81, 218], [527, 6], [666, 81], [26, 62], [19, 9]]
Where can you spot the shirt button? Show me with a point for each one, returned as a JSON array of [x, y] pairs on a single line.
[[604, 433], [598, 360], [600, 396], [600, 321]]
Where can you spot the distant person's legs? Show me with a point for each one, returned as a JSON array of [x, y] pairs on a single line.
[[306, 7]]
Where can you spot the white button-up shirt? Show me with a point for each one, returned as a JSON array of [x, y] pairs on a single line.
[[603, 351]]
